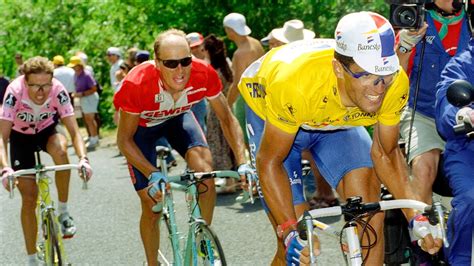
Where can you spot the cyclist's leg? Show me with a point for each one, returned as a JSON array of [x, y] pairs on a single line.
[[292, 165], [55, 144], [145, 139], [425, 148], [460, 171], [343, 157], [187, 137], [22, 149]]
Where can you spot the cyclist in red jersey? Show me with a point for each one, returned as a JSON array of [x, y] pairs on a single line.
[[155, 101]]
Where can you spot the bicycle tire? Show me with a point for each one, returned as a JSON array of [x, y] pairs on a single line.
[[208, 249], [55, 256]]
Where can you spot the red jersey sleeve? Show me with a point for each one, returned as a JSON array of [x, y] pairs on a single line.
[[214, 84], [127, 98]]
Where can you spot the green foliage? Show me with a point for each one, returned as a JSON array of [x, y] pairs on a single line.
[[48, 28]]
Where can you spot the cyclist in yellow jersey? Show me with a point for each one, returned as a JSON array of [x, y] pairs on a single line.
[[318, 95]]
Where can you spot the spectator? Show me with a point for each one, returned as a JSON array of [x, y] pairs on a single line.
[[114, 57], [64, 74], [215, 53], [85, 61], [248, 50], [195, 41], [19, 64], [142, 56], [86, 91], [131, 56], [293, 30], [447, 34]]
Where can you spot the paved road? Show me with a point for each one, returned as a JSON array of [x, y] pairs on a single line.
[[107, 217]]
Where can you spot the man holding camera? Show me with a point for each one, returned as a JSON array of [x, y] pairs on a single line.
[[446, 33], [458, 157]]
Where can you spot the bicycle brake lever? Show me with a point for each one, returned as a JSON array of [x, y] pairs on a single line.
[[84, 182], [440, 212], [250, 181], [10, 185]]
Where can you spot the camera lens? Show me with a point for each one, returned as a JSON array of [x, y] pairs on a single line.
[[405, 16]]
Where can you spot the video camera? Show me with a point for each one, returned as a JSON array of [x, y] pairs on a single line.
[[407, 14], [410, 14]]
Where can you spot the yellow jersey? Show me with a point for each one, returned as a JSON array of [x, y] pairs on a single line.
[[295, 86]]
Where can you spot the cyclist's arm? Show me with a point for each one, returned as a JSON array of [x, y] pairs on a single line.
[[390, 165], [275, 146], [5, 129], [127, 127], [73, 129], [230, 127]]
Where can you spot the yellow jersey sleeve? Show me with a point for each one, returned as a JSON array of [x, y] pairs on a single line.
[[395, 100]]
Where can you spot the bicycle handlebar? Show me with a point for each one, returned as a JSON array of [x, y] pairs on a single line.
[[27, 173]]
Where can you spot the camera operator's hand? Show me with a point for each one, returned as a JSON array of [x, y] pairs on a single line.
[[465, 115], [409, 39]]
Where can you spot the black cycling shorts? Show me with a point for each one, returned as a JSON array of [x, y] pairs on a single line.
[[23, 146]]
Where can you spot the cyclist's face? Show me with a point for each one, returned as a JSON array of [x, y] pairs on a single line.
[[174, 48], [367, 91], [39, 86]]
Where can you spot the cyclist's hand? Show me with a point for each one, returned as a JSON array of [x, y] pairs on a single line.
[[465, 115], [428, 237], [297, 250], [409, 39], [5, 173], [84, 164], [155, 182], [243, 170]]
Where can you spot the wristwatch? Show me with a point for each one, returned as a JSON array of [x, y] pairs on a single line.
[[403, 49], [281, 228]]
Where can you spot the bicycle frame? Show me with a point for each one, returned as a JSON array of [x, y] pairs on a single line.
[[354, 251], [45, 210], [194, 212]]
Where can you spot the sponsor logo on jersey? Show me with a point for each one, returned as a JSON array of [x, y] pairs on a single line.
[[63, 98], [360, 115], [160, 114], [255, 89], [291, 109], [10, 100], [159, 98]]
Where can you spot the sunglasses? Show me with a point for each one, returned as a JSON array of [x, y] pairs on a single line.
[[173, 63], [37, 87], [367, 78]]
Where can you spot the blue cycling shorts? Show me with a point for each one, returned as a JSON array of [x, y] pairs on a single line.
[[182, 132], [336, 153]]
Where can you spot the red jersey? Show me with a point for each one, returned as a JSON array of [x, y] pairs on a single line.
[[142, 92]]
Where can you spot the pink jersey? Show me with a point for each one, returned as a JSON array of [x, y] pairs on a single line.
[[142, 92], [28, 117]]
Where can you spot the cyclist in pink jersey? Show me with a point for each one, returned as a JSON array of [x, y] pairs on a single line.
[[33, 104], [155, 101]]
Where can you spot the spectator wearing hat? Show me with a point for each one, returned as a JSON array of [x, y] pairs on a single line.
[[114, 58], [64, 74], [195, 40], [85, 62], [293, 30], [248, 50], [142, 56], [86, 91]]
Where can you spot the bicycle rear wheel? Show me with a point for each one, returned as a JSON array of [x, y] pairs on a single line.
[[207, 248], [53, 254]]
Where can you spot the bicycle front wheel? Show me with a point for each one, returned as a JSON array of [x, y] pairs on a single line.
[[207, 248], [53, 255]]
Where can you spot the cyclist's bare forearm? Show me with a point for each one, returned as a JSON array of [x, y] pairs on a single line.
[[230, 127], [273, 177], [128, 125], [390, 166], [73, 129]]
